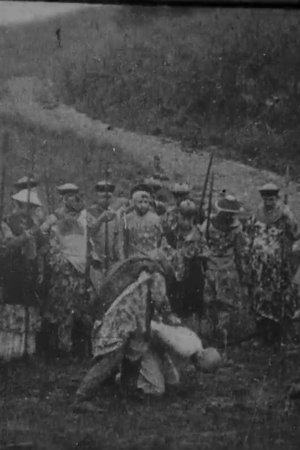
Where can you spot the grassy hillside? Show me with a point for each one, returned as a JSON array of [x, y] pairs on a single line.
[[203, 76], [62, 157]]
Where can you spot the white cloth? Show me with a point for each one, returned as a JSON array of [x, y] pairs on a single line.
[[74, 246], [180, 340]]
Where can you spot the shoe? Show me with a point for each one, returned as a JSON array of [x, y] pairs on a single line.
[[86, 407]]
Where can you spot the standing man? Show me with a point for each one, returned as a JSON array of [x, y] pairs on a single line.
[[102, 216], [225, 271], [141, 228], [272, 231], [189, 243], [157, 205], [22, 244], [33, 184], [180, 191], [69, 302]]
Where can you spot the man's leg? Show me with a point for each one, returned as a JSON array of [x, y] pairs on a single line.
[[100, 371], [171, 374], [151, 380]]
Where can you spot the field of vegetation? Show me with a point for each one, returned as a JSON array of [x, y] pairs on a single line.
[[222, 77], [228, 77]]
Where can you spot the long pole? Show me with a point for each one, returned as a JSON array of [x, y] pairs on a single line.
[[284, 269], [106, 261], [30, 175], [4, 152], [201, 207], [209, 206]]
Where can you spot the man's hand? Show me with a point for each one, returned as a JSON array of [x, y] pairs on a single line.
[[173, 320], [296, 316], [107, 216]]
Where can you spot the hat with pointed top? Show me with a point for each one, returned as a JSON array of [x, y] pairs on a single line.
[[187, 208], [25, 196], [180, 189], [154, 183], [229, 204], [105, 186], [142, 187]]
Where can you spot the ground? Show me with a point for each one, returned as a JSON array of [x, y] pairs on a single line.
[[241, 406]]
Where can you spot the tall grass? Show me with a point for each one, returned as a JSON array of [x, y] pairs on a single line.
[[63, 157], [203, 76], [227, 77]]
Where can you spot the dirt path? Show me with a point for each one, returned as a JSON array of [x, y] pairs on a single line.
[[33, 102], [12, 13]]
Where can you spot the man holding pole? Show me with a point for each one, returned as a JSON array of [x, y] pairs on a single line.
[[103, 231], [272, 231], [22, 241]]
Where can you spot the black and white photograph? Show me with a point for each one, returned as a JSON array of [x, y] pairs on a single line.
[[149, 225]]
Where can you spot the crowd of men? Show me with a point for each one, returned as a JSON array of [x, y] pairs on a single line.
[[93, 279]]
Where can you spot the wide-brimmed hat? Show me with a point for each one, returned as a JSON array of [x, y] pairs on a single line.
[[180, 189], [67, 188], [269, 190], [187, 208], [105, 186], [142, 187], [228, 204], [24, 196], [25, 182]]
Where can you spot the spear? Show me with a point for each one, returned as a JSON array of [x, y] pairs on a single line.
[[106, 261], [284, 276], [49, 192], [287, 182], [30, 175], [205, 187], [5, 151], [209, 205]]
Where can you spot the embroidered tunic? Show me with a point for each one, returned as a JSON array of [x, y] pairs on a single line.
[[68, 262], [226, 270], [142, 233], [270, 242]]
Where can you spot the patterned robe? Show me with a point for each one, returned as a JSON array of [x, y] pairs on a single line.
[[187, 253], [129, 316], [270, 242], [123, 338], [97, 247], [141, 234], [69, 290], [225, 273], [22, 263]]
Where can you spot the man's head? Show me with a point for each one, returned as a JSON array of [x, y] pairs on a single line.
[[270, 195], [187, 213], [180, 191], [104, 191], [141, 201], [27, 201], [209, 360], [228, 209], [141, 196], [70, 197], [72, 201]]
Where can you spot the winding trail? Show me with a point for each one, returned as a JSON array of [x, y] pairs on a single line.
[[14, 13], [32, 102]]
